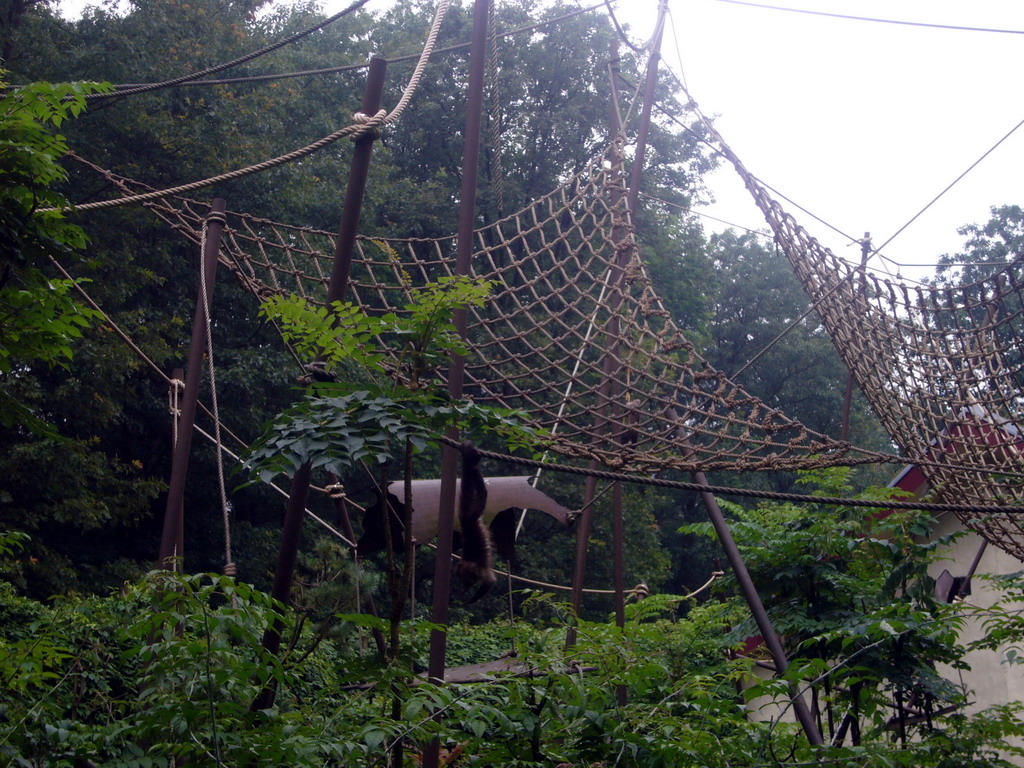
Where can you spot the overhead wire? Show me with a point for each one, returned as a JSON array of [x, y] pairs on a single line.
[[126, 89], [852, 239], [145, 88], [362, 125], [929, 25], [949, 186], [692, 103], [694, 106], [846, 235], [695, 212]]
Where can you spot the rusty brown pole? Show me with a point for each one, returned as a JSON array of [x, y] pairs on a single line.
[[644, 127], [844, 428], [750, 594], [587, 515], [632, 200], [170, 540], [610, 389], [457, 366], [764, 624], [343, 249]]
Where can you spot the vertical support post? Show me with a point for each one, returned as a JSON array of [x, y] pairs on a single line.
[[590, 489], [644, 128], [844, 428], [764, 624], [171, 550], [609, 390], [343, 249], [457, 366]]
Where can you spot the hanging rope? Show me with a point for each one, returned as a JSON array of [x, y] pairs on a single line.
[[175, 389], [230, 569], [494, 123]]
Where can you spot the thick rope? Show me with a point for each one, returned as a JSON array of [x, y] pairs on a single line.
[[724, 490], [494, 123], [230, 569]]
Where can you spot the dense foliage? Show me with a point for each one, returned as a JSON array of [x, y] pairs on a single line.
[[165, 669], [102, 662]]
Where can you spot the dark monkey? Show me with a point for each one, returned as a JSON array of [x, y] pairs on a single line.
[[477, 563]]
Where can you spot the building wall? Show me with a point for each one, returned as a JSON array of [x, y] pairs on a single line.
[[991, 680]]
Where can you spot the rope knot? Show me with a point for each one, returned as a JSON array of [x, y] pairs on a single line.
[[336, 491], [230, 569], [370, 125], [640, 592]]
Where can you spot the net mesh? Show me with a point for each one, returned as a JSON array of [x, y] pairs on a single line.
[[940, 365], [575, 336], [573, 333]]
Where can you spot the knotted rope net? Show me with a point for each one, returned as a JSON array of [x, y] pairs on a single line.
[[940, 365], [575, 336], [573, 333]]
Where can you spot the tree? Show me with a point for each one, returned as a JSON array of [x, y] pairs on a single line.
[[39, 319], [987, 248], [552, 120], [849, 593]]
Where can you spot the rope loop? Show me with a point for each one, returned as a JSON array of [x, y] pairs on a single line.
[[368, 125]]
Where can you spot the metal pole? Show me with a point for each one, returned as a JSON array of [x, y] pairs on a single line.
[[644, 128], [844, 429], [171, 550], [343, 249], [355, 191], [586, 517], [764, 624], [609, 389], [457, 366]]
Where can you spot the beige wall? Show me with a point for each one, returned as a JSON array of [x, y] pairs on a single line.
[[991, 681], [988, 681]]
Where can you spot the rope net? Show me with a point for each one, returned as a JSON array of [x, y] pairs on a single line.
[[573, 333], [940, 365], [575, 336]]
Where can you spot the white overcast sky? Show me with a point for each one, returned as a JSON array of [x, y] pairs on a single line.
[[860, 122]]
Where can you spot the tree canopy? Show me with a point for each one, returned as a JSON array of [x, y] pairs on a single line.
[[87, 435]]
